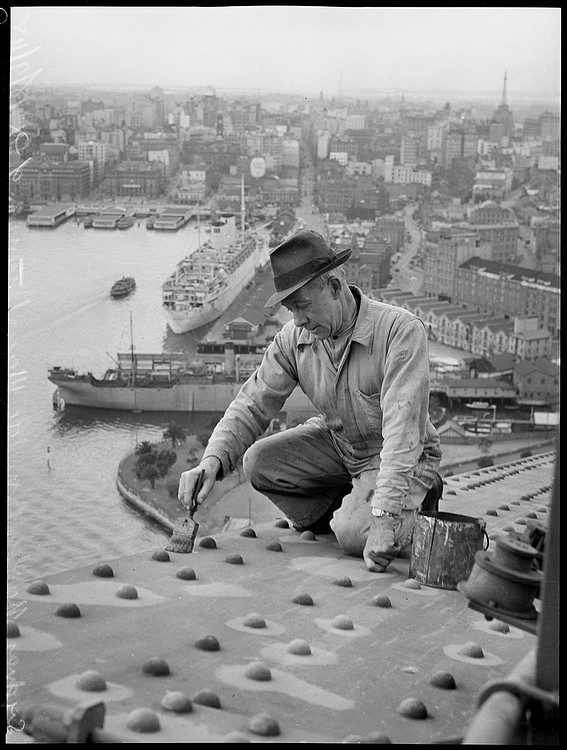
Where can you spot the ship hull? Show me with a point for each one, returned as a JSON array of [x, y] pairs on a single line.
[[206, 397]]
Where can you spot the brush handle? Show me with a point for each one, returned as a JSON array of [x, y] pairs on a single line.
[[196, 490]]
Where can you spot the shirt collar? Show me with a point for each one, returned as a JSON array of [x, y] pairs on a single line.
[[362, 332]]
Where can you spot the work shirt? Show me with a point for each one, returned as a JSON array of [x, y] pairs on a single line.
[[374, 403]]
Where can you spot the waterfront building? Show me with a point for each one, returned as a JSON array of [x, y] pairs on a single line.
[[46, 181], [537, 383], [506, 289], [445, 251], [136, 179]]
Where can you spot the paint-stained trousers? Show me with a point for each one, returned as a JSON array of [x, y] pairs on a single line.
[[301, 471]]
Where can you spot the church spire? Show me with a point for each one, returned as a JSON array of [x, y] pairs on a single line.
[[504, 89]]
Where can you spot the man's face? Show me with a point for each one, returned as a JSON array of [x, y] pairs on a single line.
[[315, 309]]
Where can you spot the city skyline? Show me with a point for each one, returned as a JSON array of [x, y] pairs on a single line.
[[323, 49]]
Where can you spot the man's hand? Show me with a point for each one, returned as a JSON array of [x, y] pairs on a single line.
[[380, 548], [188, 480]]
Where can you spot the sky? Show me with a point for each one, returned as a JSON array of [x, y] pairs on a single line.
[[291, 49]]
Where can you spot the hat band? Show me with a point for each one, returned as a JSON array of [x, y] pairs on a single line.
[[301, 273]]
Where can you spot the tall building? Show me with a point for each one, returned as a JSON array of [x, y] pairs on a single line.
[[502, 119]]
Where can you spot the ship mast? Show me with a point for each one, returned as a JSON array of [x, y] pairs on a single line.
[[242, 208], [132, 356]]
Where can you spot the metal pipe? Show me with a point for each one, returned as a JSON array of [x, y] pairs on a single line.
[[501, 718]]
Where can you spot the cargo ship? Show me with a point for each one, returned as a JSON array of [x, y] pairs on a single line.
[[205, 283], [168, 382]]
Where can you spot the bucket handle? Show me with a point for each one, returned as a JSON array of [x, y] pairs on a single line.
[[486, 539]]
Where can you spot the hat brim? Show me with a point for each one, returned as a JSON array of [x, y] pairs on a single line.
[[279, 296]]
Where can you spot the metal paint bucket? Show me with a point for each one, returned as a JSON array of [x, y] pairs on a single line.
[[444, 547]]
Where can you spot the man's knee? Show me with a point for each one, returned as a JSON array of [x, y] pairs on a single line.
[[252, 461]]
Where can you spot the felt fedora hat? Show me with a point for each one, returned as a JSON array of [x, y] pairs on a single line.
[[300, 259]]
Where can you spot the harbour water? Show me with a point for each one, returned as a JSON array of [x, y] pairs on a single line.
[[63, 506]]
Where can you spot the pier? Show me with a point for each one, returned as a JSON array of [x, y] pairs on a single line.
[[51, 216]]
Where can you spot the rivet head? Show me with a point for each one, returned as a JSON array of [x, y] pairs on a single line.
[[304, 599], [234, 559], [12, 629], [342, 622], [177, 702], [143, 720], [207, 542], [413, 709], [207, 698], [249, 532], [381, 600], [443, 680], [126, 591], [264, 725], [156, 667], [254, 620], [103, 571], [186, 574], [68, 610], [259, 671], [91, 681], [207, 643], [161, 555], [39, 588]]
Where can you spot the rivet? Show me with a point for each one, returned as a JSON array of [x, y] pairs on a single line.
[[381, 600], [342, 622], [126, 591], [411, 583], [103, 571], [257, 670], [443, 680], [207, 643], [304, 599], [248, 532], [281, 523], [156, 667], [299, 647], [161, 555], [413, 709], [264, 725], [234, 559], [207, 698], [68, 610], [254, 620], [91, 681], [308, 535], [187, 574], [473, 650], [12, 629], [343, 581], [143, 720], [207, 542], [491, 512], [39, 588], [274, 547], [177, 701]]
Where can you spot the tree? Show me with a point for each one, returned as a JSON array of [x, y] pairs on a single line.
[[144, 448], [175, 434]]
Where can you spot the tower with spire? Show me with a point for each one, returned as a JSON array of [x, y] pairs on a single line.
[[502, 123]]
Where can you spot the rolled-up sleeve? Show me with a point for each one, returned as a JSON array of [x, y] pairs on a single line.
[[405, 413], [261, 397]]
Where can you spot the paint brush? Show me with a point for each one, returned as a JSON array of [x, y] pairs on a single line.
[[185, 529]]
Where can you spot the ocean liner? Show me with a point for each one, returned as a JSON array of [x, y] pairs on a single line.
[[205, 283]]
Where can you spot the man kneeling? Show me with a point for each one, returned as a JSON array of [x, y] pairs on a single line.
[[363, 467]]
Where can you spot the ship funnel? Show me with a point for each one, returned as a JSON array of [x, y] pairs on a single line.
[[224, 231], [229, 357]]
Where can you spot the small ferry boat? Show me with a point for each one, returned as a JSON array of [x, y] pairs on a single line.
[[124, 222], [123, 287]]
